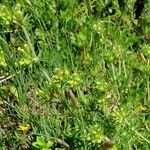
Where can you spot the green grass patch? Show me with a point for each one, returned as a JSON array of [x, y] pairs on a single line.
[[74, 75]]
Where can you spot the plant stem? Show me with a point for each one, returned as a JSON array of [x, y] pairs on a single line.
[[88, 4]]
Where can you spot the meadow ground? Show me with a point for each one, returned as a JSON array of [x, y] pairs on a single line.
[[74, 75]]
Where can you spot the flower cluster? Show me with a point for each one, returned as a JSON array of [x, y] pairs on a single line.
[[101, 86], [8, 17], [5, 15], [119, 116], [99, 27], [24, 128], [95, 134], [62, 77], [19, 15], [25, 55]]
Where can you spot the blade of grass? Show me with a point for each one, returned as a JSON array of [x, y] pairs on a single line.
[[137, 133], [29, 41], [89, 8]]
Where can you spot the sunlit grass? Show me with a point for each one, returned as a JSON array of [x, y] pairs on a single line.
[[73, 75]]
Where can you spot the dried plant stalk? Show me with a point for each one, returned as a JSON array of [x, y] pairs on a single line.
[[107, 144], [143, 58], [5, 79], [73, 98], [62, 142]]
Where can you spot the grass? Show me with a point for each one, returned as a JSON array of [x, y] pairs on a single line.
[[74, 75]]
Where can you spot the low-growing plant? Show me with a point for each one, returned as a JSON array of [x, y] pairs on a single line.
[[74, 75]]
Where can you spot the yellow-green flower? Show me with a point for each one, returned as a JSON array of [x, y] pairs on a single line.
[[95, 135], [24, 128], [142, 109]]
